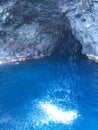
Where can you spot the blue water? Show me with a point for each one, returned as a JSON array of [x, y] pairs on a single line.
[[32, 90]]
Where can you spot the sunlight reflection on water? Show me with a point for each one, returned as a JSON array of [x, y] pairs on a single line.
[[56, 114]]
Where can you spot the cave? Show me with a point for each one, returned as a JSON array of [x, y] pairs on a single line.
[[48, 80]]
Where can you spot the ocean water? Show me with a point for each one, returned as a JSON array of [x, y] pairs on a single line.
[[52, 93]]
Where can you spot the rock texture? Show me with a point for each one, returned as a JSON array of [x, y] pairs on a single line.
[[83, 17], [35, 28], [27, 28], [32, 29]]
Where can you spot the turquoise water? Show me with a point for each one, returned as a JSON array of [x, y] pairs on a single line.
[[53, 93]]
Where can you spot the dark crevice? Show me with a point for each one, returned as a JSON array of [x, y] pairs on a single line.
[[68, 45]]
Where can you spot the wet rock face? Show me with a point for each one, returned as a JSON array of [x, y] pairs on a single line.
[[83, 17], [35, 28], [32, 29]]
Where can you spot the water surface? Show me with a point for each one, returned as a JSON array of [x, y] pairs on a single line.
[[53, 93]]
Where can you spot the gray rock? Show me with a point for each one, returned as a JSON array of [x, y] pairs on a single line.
[[35, 28], [84, 23], [29, 28]]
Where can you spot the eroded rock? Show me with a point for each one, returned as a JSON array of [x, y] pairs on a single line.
[[33, 29], [84, 23], [29, 28]]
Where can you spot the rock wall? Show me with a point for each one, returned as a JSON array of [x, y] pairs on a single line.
[[35, 28], [29, 28], [83, 17]]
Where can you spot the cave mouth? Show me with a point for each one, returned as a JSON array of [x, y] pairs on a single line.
[[34, 29], [53, 92], [56, 92], [68, 45]]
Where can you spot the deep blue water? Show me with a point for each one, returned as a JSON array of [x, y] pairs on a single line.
[[34, 95]]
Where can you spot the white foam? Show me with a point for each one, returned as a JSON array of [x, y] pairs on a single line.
[[56, 114]]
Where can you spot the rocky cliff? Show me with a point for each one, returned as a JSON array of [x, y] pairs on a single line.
[[36, 28], [83, 17]]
